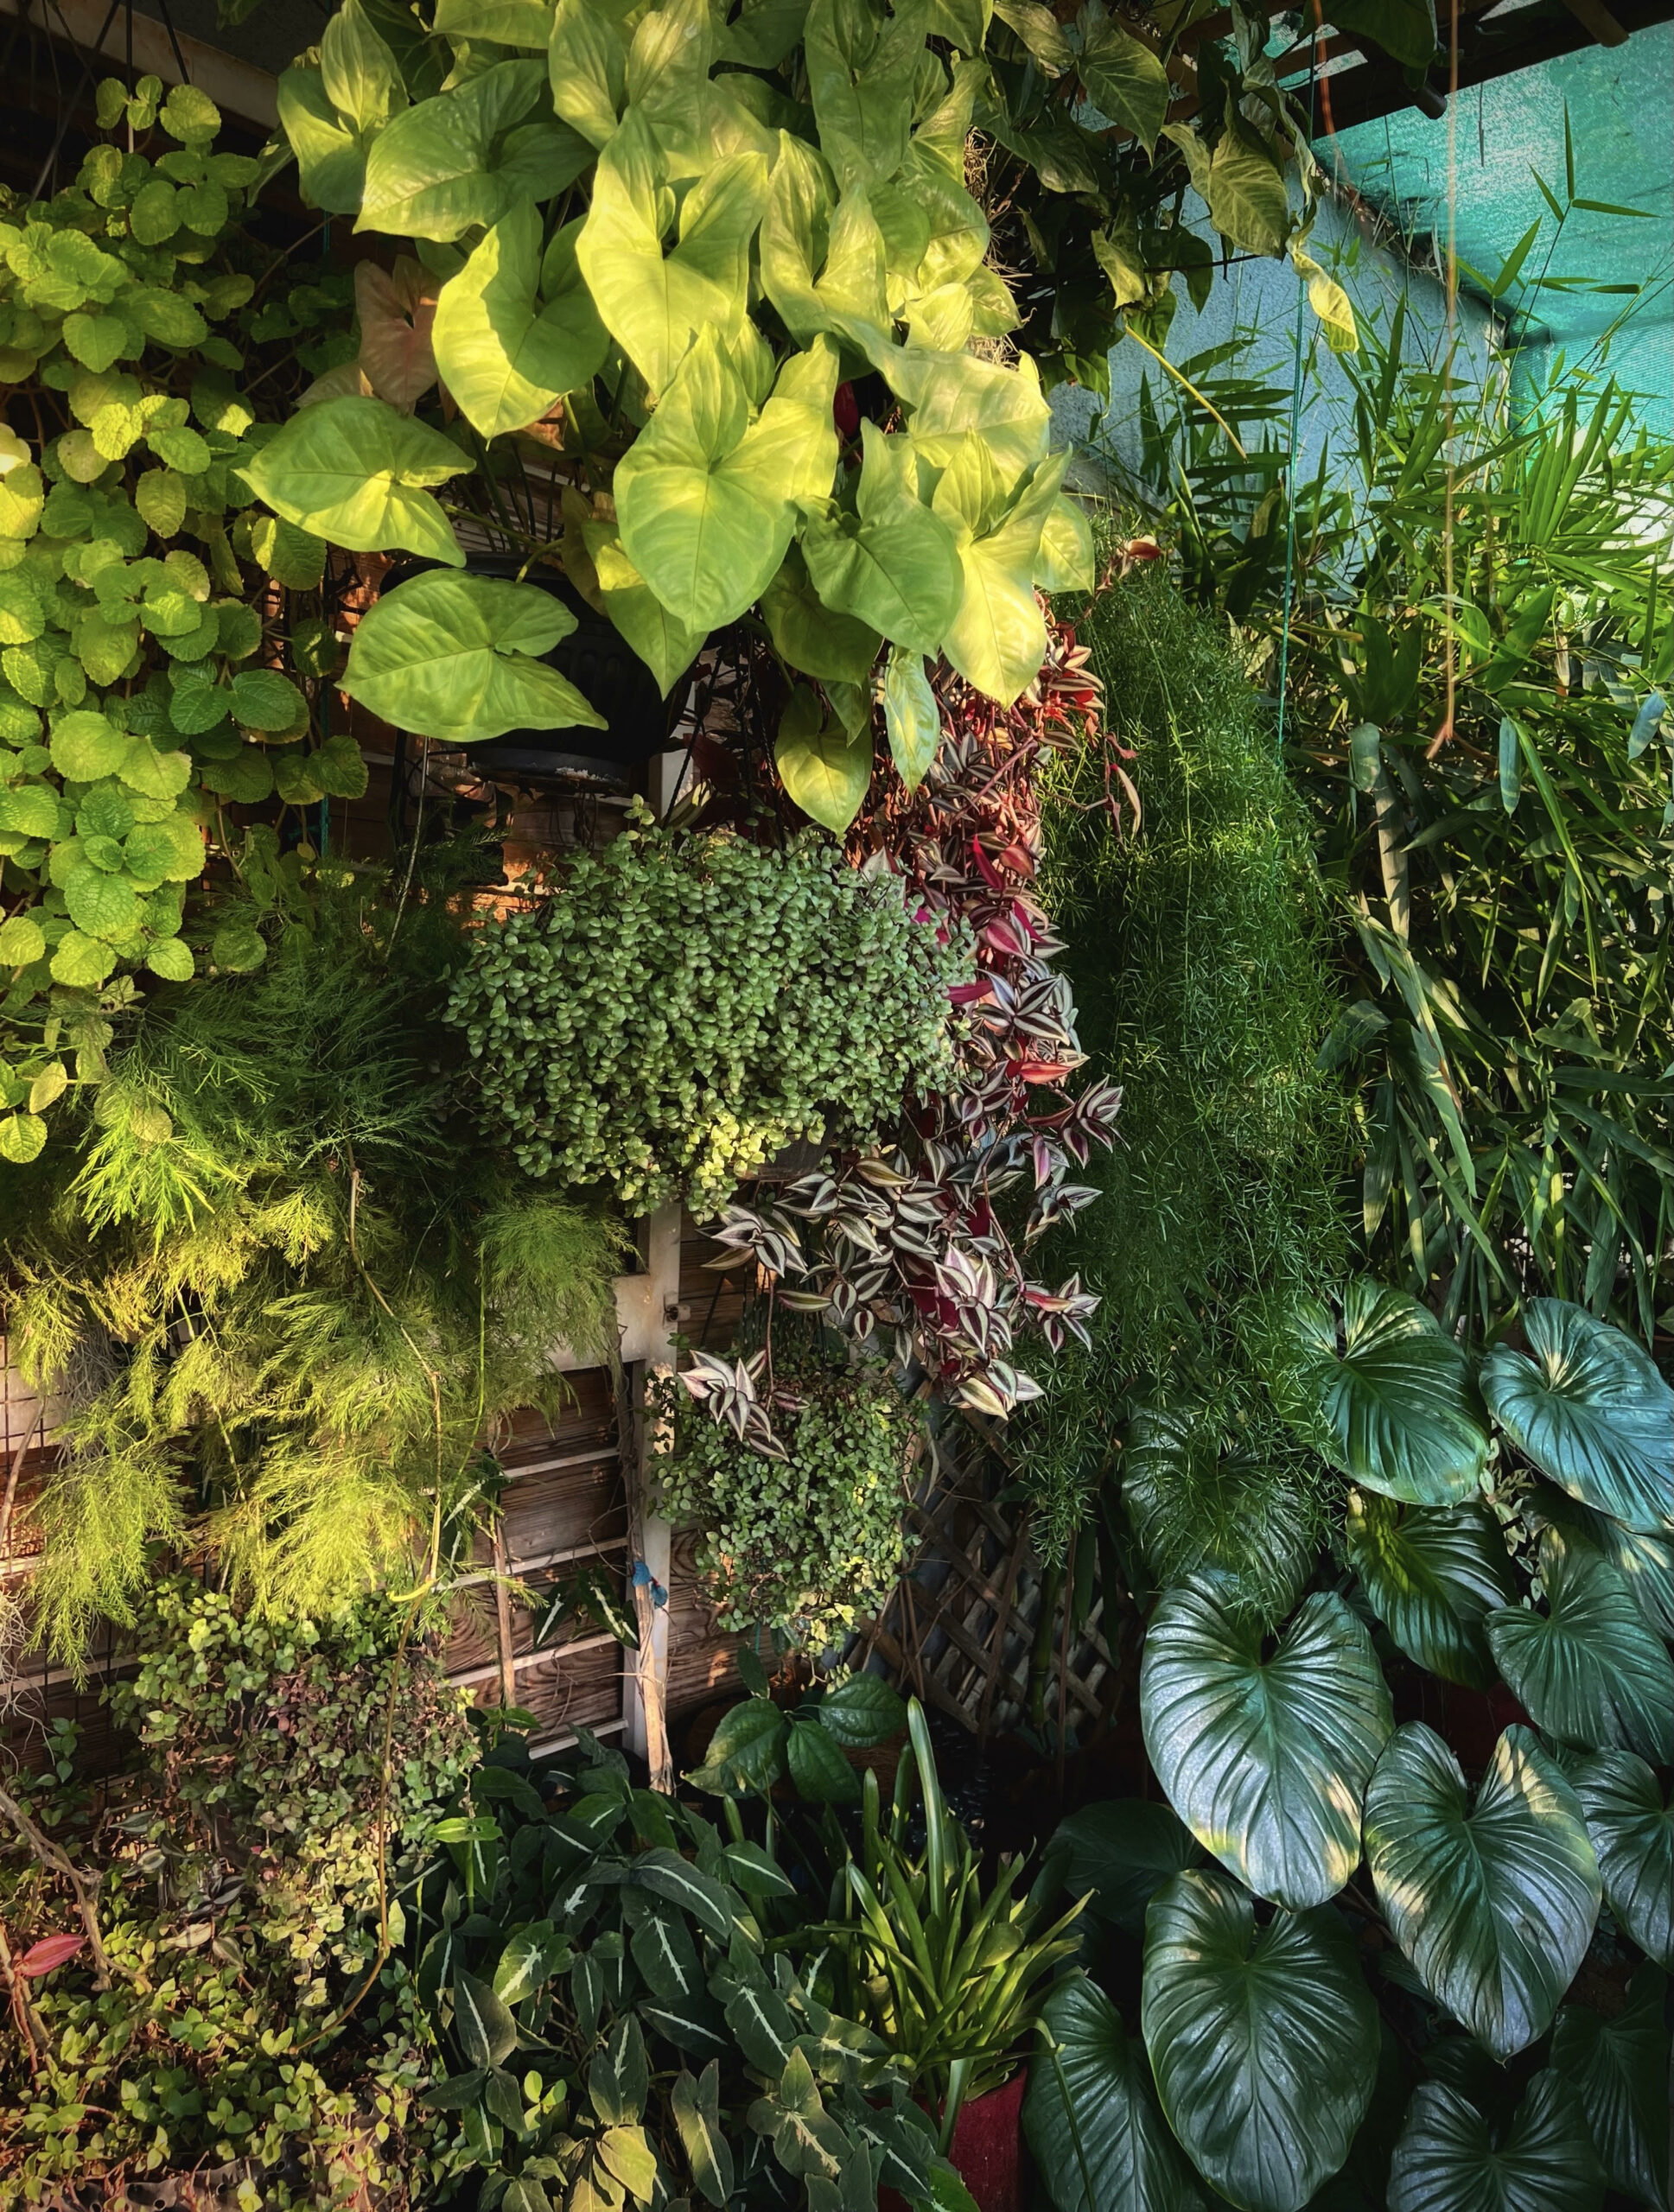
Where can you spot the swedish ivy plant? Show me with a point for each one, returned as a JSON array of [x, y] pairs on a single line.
[[799, 1503], [662, 241], [134, 673], [679, 1010]]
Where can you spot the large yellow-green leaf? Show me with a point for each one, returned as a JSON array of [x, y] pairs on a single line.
[[515, 330], [1264, 2040], [825, 768], [861, 64], [651, 302], [893, 563], [331, 155], [1631, 1825], [950, 394], [1266, 1759], [997, 637], [1588, 1407], [1493, 1903], [1393, 1406], [1065, 559], [1247, 199], [704, 495], [353, 471], [1432, 1574], [587, 62], [1587, 1669], [361, 77], [501, 22], [668, 83], [466, 156], [812, 637], [910, 715], [1124, 81], [666, 646], [454, 658]]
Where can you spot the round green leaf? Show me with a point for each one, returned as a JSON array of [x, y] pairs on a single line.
[[1393, 1407], [1633, 1833], [861, 1712], [1449, 2159], [263, 699], [87, 745], [1090, 2113], [245, 777], [100, 905], [1121, 1853], [1265, 1760], [1431, 1573], [826, 770], [20, 941], [80, 961], [29, 810], [1493, 1904], [1264, 2040], [818, 1769], [22, 1136], [746, 1752], [169, 851], [1588, 1406], [237, 947], [353, 471], [1618, 2068], [170, 959], [1589, 1669], [453, 657]]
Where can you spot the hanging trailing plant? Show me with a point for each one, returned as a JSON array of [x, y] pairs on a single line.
[[662, 244], [141, 685]]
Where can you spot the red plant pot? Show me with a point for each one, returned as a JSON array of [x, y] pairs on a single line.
[[988, 2145]]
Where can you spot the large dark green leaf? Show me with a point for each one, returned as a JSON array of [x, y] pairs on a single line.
[[1645, 1563], [1392, 1405], [1493, 1904], [1618, 2068], [1091, 2116], [1451, 2160], [1589, 1409], [1633, 1833], [1121, 1851], [1589, 1669], [1265, 1760], [1431, 1573], [1264, 2040], [1404, 29]]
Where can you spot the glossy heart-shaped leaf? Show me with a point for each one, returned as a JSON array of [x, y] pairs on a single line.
[[1493, 1903], [1588, 1669], [1264, 2040], [892, 564], [827, 769], [466, 156], [353, 471], [1588, 1407], [454, 658], [1451, 2158], [1431, 1574], [1121, 1851], [1090, 2114], [516, 329], [1618, 2067], [1266, 1760], [1392, 1405], [1633, 1830]]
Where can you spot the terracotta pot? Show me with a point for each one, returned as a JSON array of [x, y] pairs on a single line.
[[988, 2145]]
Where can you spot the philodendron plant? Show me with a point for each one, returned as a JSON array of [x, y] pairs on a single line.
[[657, 246], [1510, 1521]]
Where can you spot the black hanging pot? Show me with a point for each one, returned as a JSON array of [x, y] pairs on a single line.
[[610, 677]]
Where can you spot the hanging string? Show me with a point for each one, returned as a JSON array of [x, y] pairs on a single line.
[[1295, 421]]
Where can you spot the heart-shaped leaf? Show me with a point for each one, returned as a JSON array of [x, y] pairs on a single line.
[[455, 160], [453, 657], [515, 329], [1495, 1903], [892, 564], [1122, 1852], [353, 471], [1264, 2040], [1618, 2068], [818, 1769], [1633, 1832], [1586, 1405], [826, 770], [1265, 1760], [1090, 2114], [746, 1752], [1589, 1669], [1126, 80], [1431, 1574], [1450, 2158], [1393, 1406]]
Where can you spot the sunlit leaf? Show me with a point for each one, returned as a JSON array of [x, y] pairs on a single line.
[[1587, 1669], [353, 471], [515, 329], [1432, 1574]]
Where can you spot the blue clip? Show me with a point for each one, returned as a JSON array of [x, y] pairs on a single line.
[[644, 1580]]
